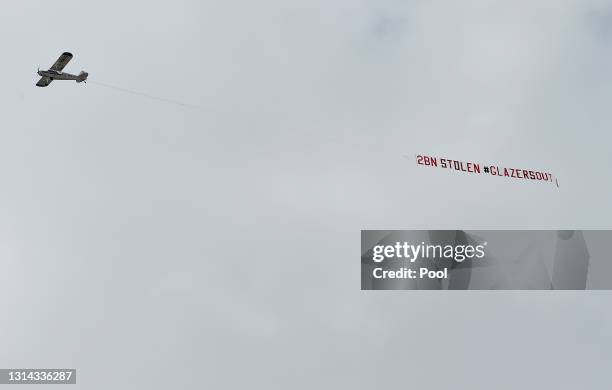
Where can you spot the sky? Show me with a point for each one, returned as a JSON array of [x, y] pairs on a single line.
[[215, 244]]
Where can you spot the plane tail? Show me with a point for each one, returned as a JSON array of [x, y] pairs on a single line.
[[82, 76]]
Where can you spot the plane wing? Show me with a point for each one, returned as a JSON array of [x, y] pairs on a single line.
[[43, 82], [61, 62]]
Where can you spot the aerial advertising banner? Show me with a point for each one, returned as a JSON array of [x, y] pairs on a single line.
[[486, 260], [487, 169]]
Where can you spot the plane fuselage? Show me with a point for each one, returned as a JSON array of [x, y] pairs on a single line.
[[55, 75]]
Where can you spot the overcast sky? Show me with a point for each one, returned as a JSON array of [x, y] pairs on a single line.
[[153, 245]]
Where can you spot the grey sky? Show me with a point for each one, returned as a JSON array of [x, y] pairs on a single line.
[[151, 245]]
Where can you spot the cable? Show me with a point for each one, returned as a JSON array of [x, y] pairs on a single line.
[[241, 117], [145, 95]]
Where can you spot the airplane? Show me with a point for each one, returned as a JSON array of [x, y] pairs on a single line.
[[55, 72]]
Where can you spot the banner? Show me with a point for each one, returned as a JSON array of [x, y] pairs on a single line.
[[486, 169]]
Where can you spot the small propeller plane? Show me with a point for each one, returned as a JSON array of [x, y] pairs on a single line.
[[55, 72]]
